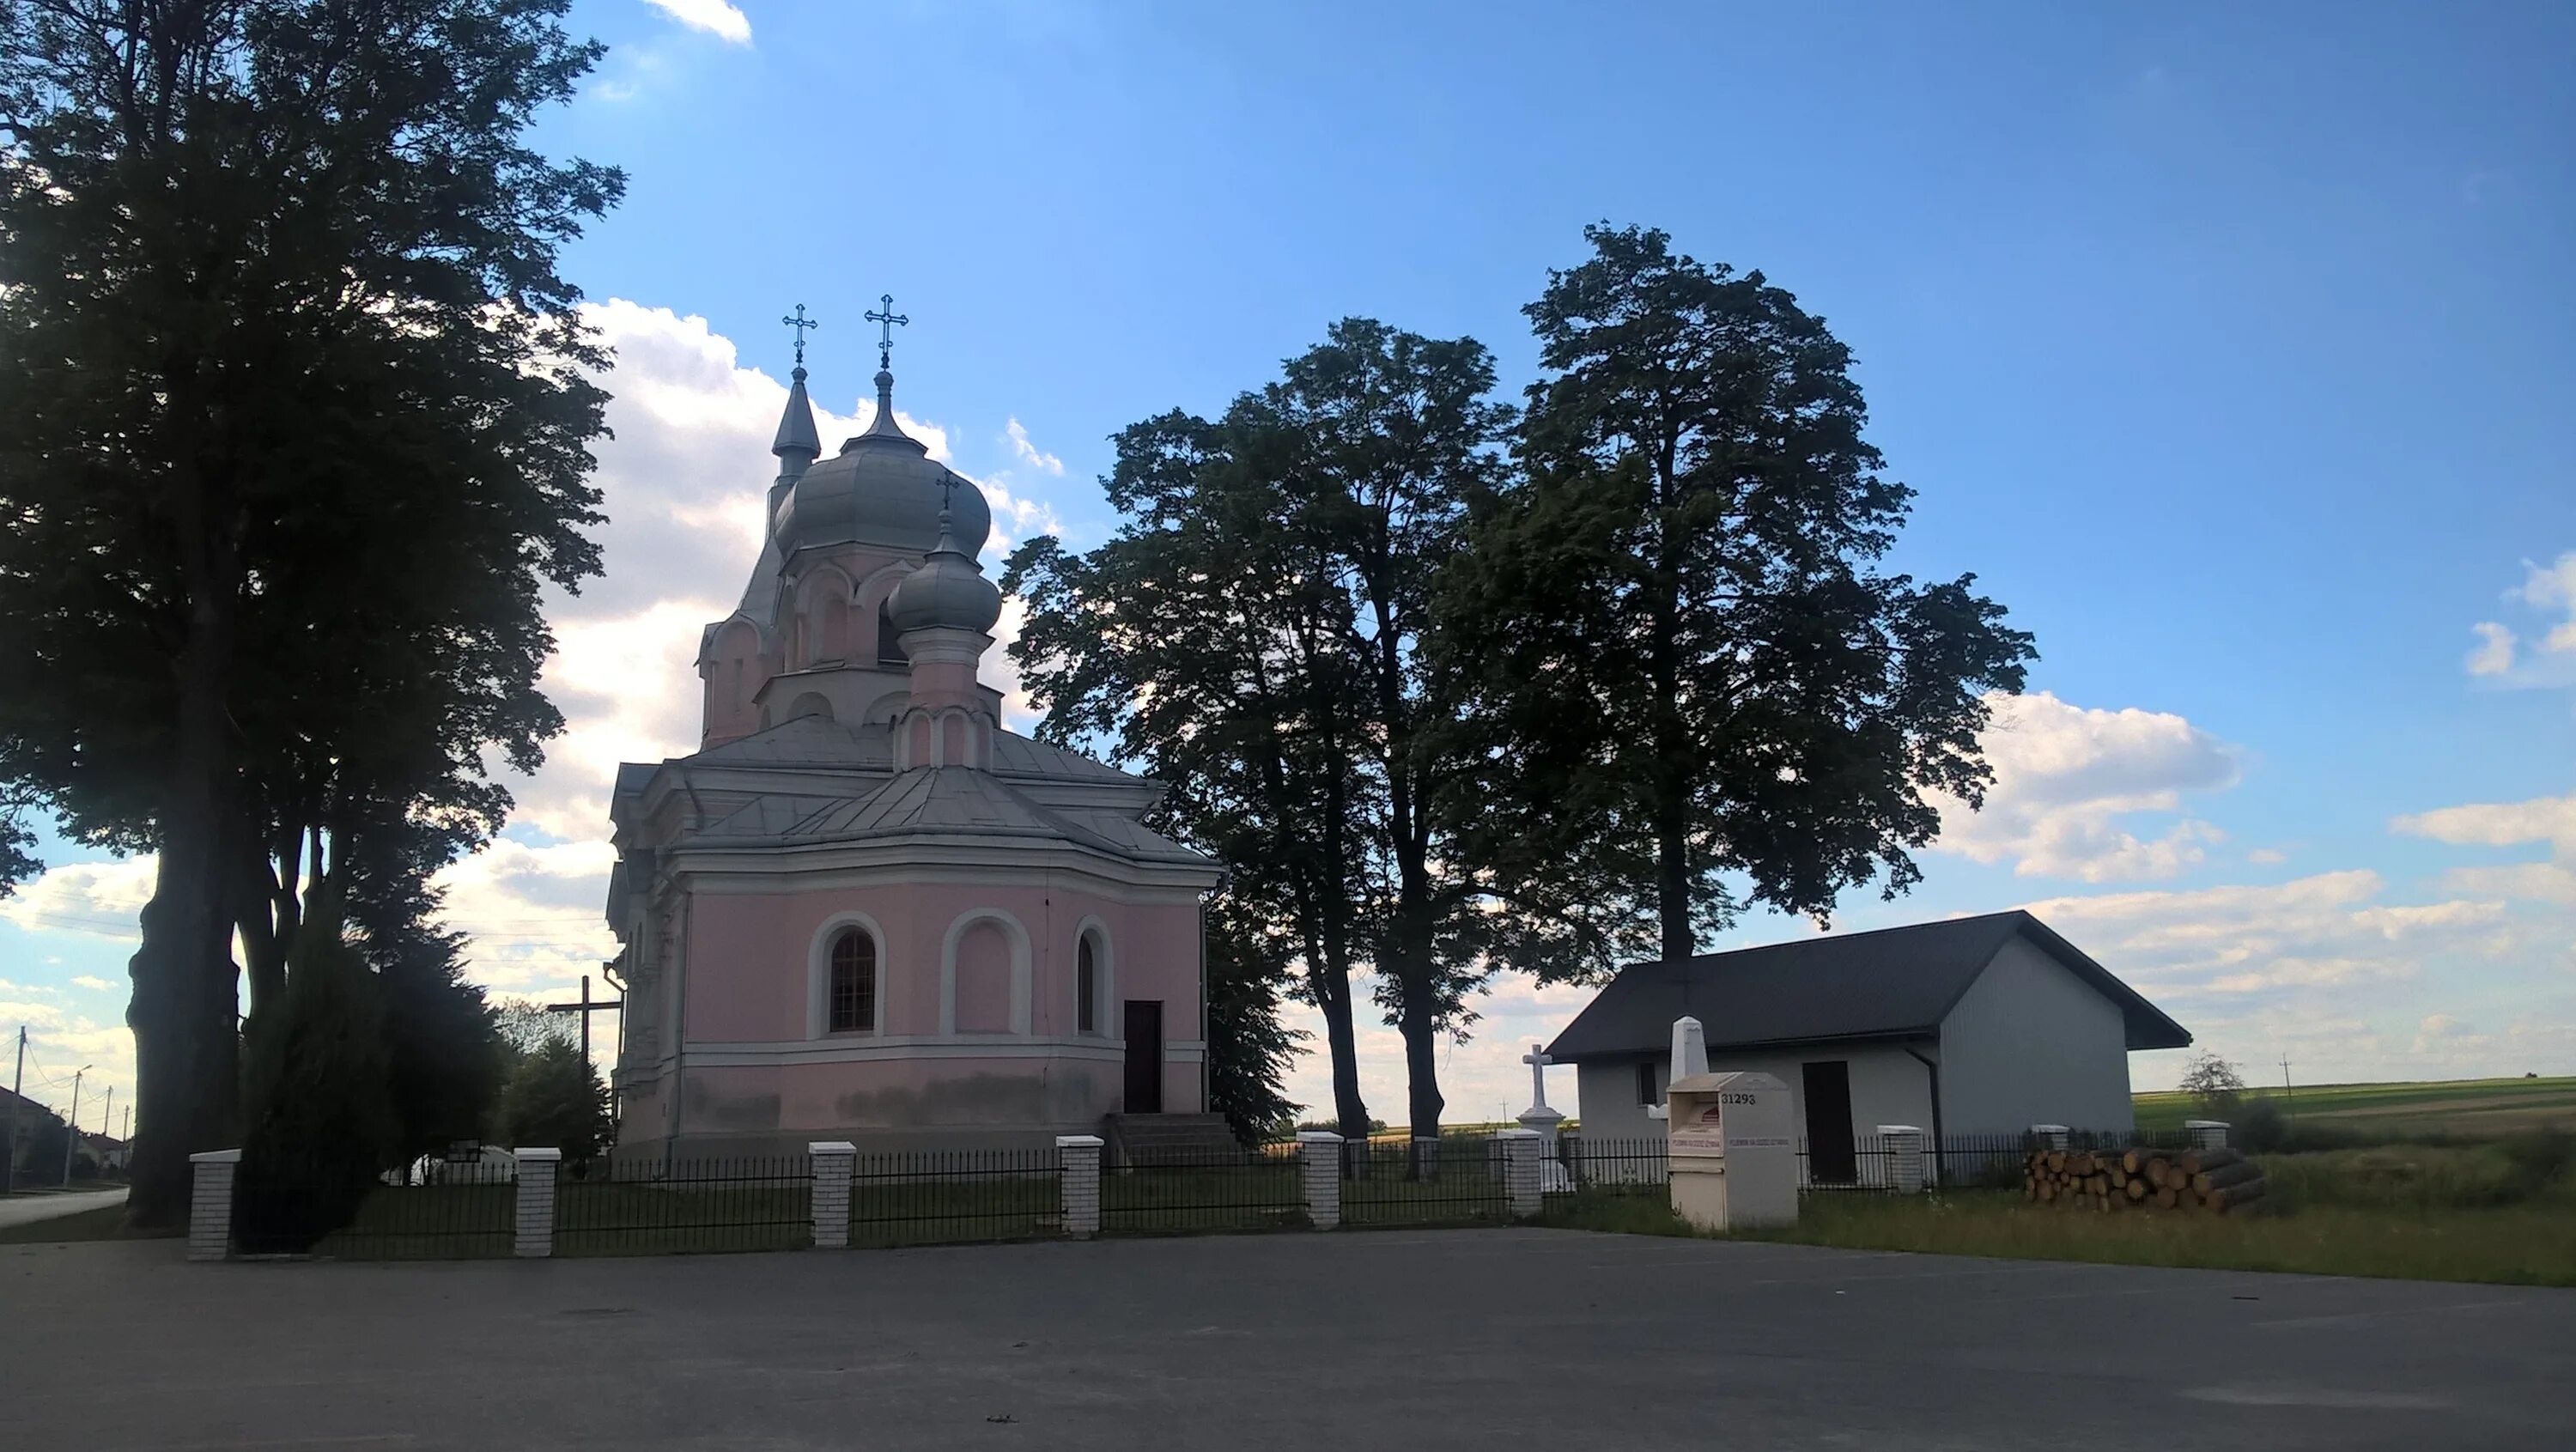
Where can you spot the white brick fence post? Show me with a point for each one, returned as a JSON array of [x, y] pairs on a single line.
[[1904, 1157], [1080, 1154], [1319, 1159], [2050, 1136], [1523, 1190], [833, 1162], [210, 1203], [534, 1227], [2206, 1133]]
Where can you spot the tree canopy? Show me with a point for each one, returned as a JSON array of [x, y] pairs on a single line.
[[1691, 685], [300, 429]]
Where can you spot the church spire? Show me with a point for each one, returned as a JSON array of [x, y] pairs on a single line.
[[797, 443], [887, 320]]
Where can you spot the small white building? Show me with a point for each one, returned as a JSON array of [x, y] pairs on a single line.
[[1970, 1026]]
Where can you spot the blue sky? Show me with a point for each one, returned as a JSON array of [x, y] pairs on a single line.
[[2235, 352]]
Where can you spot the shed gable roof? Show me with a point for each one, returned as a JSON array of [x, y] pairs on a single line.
[[1890, 983]]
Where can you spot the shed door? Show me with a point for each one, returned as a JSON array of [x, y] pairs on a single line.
[[1830, 1156]]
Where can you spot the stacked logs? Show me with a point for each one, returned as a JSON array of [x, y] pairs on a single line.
[[2217, 1181]]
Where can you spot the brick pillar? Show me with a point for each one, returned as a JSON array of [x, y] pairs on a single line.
[[534, 1228], [1904, 1157], [833, 1162], [1523, 1188], [1319, 1159], [2050, 1136], [2206, 1133], [1080, 1154], [210, 1203]]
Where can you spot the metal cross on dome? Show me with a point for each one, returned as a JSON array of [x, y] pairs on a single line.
[[800, 323], [887, 320]]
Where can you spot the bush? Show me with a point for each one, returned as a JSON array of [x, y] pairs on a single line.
[[320, 1122], [2422, 1177], [555, 1100]]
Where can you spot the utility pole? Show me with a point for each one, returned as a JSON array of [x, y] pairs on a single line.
[[2285, 1085], [71, 1124], [9, 1155], [107, 1116]]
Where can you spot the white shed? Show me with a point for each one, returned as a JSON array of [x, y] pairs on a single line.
[[1969, 1026]]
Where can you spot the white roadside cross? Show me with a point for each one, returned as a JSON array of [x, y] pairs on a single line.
[[1538, 1061]]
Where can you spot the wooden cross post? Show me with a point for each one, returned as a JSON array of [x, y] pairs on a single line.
[[585, 1008]]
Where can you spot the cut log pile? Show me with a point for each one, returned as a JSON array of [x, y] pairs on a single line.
[[2212, 1181]]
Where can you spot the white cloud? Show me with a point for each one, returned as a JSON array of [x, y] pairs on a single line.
[[712, 16], [95, 985], [2549, 591], [2065, 776], [2267, 856], [1029, 453], [2494, 654], [97, 899], [2499, 824]]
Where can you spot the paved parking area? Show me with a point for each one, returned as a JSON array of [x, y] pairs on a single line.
[[1418, 1340]]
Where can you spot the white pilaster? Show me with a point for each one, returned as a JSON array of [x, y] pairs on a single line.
[[833, 1162], [210, 1203], [1522, 1187], [2050, 1136], [533, 1229], [1081, 1179], [1319, 1156]]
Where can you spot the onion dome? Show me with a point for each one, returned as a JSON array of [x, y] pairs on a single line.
[[949, 591], [882, 489]]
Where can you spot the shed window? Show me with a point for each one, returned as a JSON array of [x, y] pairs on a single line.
[[854, 982], [1648, 1091]]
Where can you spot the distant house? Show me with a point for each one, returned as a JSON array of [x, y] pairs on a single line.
[[1983, 1025], [105, 1151], [35, 1124]]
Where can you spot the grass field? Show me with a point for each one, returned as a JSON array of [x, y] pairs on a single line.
[[2463, 1109], [2503, 1213]]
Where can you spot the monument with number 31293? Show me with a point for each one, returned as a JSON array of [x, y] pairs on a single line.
[[863, 909]]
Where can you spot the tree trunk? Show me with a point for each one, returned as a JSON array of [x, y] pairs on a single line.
[[186, 1050], [1333, 997], [1421, 1068]]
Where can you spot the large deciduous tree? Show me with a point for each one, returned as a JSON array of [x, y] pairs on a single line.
[[1692, 684], [298, 431], [1255, 634]]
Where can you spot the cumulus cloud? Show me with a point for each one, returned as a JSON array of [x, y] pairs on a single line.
[[2548, 591], [2065, 778], [2499, 824], [2494, 653], [96, 899], [715, 17]]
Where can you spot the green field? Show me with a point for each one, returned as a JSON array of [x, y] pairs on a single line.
[[2459, 1109]]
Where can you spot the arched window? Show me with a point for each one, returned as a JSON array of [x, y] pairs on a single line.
[[1086, 987], [854, 983]]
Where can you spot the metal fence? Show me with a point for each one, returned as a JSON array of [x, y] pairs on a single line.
[[1452, 1181], [638, 1207], [287, 1212], [1204, 1189], [943, 1198]]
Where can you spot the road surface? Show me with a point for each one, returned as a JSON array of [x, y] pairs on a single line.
[[26, 1209]]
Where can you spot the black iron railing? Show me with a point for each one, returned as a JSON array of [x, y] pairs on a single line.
[[949, 1197], [643, 1207], [1198, 1190], [1454, 1181]]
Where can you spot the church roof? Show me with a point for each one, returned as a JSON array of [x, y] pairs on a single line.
[[935, 800]]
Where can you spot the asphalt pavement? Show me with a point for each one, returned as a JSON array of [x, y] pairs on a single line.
[[1418, 1340]]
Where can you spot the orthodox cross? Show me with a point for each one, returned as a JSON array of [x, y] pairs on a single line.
[[800, 323], [887, 320], [1538, 1061], [585, 1008]]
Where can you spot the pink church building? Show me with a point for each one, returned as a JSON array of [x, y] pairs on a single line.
[[862, 909]]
